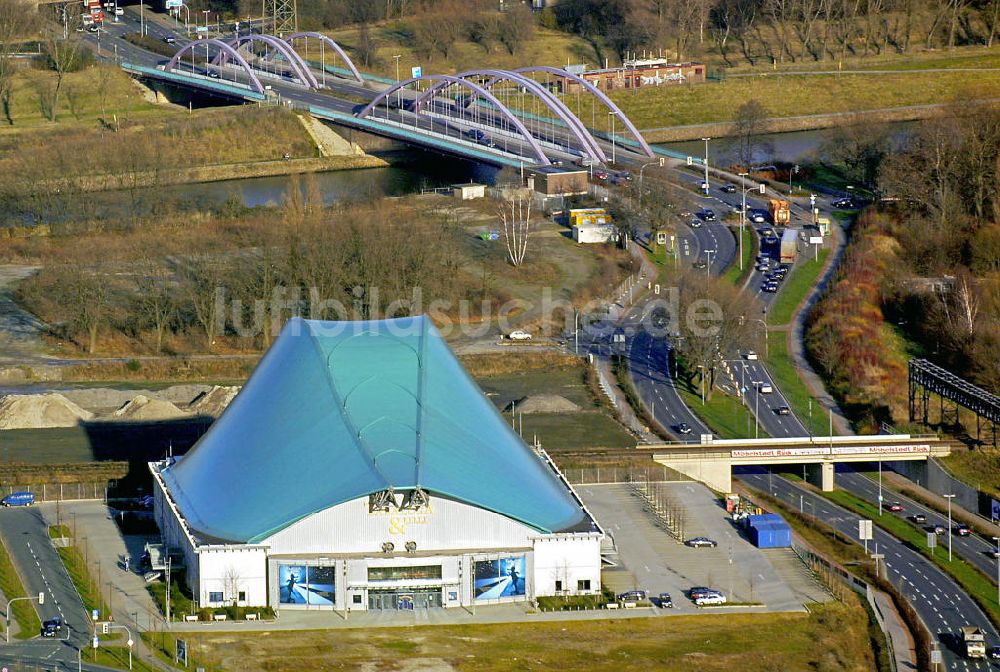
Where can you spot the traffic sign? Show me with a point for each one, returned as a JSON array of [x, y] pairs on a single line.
[[690, 161], [931, 540], [865, 530], [96, 642], [416, 71], [763, 188]]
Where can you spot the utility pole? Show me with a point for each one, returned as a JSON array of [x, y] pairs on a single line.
[[949, 498], [743, 215], [706, 164]]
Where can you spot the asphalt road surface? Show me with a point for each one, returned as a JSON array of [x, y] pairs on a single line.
[[942, 605]]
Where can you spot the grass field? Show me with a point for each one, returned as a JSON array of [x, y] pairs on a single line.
[[794, 95], [724, 414], [564, 431], [733, 274], [974, 582], [11, 587], [800, 281], [76, 567], [786, 376], [978, 468], [832, 637], [514, 386]]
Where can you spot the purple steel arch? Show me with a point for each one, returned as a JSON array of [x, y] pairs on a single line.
[[225, 48], [336, 47], [294, 60], [529, 138], [554, 104], [601, 96]]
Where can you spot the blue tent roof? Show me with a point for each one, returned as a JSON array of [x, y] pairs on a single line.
[[340, 410]]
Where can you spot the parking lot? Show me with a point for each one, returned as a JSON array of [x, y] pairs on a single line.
[[650, 559]]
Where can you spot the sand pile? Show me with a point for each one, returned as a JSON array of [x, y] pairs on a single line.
[[544, 403], [214, 401], [105, 400], [142, 408], [39, 411]]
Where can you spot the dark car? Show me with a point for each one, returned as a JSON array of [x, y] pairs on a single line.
[[728, 188], [213, 74], [845, 204], [783, 410], [169, 39], [939, 530], [699, 264], [918, 518], [963, 530], [770, 287], [696, 223], [993, 652], [771, 240], [600, 174], [51, 627], [632, 596], [683, 428], [699, 542], [665, 601], [707, 215]]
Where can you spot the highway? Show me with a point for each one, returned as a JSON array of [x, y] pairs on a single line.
[[942, 605], [25, 534]]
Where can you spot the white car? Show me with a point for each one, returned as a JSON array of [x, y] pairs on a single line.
[[710, 599], [119, 11], [519, 336], [751, 355], [765, 388]]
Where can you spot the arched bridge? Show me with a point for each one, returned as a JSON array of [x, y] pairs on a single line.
[[506, 117]]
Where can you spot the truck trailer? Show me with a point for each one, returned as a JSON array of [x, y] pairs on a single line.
[[781, 211], [789, 245], [975, 642]]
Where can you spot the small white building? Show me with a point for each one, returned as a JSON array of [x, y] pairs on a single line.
[[467, 192], [360, 468], [594, 233]]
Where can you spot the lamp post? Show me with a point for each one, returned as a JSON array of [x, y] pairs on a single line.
[[756, 417], [612, 115], [949, 498], [642, 168], [706, 164], [764, 325], [708, 268], [743, 215], [41, 600], [997, 539], [398, 93], [702, 369], [142, 18], [880, 488]]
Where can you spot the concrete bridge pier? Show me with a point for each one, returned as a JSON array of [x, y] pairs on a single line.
[[820, 474]]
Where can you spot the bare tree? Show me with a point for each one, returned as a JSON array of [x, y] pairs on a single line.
[[202, 280], [516, 227], [749, 127], [17, 20], [64, 56], [156, 298]]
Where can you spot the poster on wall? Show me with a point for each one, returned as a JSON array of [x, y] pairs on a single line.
[[299, 584], [499, 578]]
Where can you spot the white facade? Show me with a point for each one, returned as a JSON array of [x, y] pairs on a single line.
[[594, 233], [346, 557]]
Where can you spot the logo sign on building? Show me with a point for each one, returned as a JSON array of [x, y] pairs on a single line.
[[416, 71]]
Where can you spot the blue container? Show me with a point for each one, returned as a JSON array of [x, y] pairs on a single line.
[[771, 534]]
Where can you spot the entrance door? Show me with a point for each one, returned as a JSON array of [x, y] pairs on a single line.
[[404, 601]]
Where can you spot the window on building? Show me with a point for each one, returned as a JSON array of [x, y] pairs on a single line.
[[243, 594], [400, 573], [583, 584], [215, 597], [357, 599], [558, 586]]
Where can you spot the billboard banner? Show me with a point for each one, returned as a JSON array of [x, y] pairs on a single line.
[[174, 4], [503, 577], [301, 584]]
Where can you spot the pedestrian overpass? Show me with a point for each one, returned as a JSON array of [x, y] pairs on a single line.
[[712, 460]]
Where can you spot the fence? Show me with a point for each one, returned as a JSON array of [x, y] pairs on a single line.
[[51, 492], [614, 475]]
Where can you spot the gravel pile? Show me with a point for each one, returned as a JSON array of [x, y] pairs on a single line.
[[145, 409], [40, 411], [544, 403], [213, 402]]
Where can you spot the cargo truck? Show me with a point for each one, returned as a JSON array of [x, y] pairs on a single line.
[[789, 245], [975, 642], [19, 499], [781, 212]]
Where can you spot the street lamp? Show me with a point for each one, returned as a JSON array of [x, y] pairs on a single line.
[[708, 268], [997, 539], [743, 215], [702, 369], [41, 600], [398, 94], [658, 162], [612, 115], [706, 164], [949, 498]]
